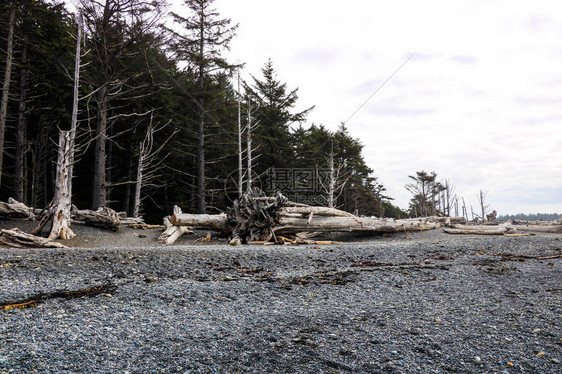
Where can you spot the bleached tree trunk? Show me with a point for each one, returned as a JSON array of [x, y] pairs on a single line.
[[249, 141], [6, 85], [60, 210], [138, 184], [20, 175], [75, 98], [332, 184], [484, 206], [62, 202], [240, 171], [464, 209]]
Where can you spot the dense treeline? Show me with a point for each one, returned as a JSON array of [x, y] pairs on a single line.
[[159, 114], [531, 217]]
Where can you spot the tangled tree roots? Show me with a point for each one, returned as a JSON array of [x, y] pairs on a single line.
[[254, 216]]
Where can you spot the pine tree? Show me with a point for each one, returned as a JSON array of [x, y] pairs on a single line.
[[204, 38], [274, 115]]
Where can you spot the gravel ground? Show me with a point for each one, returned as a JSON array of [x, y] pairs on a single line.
[[407, 303]]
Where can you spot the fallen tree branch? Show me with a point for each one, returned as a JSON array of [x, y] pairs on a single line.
[[103, 217], [19, 239], [15, 209]]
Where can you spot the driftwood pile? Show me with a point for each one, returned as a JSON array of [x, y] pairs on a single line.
[[258, 218], [102, 217]]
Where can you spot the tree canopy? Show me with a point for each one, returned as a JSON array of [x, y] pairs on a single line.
[[143, 84]]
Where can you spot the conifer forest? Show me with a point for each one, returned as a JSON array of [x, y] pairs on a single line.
[[157, 116]]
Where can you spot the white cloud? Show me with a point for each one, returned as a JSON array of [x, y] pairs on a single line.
[[480, 102]]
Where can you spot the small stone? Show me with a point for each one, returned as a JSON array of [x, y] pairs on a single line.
[[142, 235], [540, 354], [108, 295], [510, 364], [555, 360], [394, 352], [478, 359], [438, 320], [536, 331]]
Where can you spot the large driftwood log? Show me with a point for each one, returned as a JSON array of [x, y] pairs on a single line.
[[350, 224], [553, 228], [19, 239], [290, 224], [216, 222], [15, 209], [315, 210], [538, 226], [479, 231], [103, 217], [256, 217]]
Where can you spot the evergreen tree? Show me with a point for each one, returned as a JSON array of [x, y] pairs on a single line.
[[274, 115], [206, 36]]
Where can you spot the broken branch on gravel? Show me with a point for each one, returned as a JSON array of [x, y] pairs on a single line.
[[15, 209], [19, 239]]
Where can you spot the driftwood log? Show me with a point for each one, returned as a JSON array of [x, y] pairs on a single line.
[[513, 227], [15, 209], [291, 224], [256, 217], [480, 229], [538, 226], [104, 217], [19, 239], [173, 232]]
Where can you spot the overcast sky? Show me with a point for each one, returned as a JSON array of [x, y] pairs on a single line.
[[479, 103]]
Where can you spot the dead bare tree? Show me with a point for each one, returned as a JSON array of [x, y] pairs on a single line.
[[61, 206], [240, 153], [21, 144], [337, 180], [250, 127], [7, 78], [484, 205], [149, 167]]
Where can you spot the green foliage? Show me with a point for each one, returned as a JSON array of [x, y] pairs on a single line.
[[425, 190], [180, 79], [274, 113], [531, 217]]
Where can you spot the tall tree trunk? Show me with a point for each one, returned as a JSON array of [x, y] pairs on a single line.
[[332, 184], [60, 211], [6, 85], [138, 183], [130, 170], [21, 131], [37, 170], [249, 142], [201, 192], [99, 191], [75, 97], [240, 171]]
